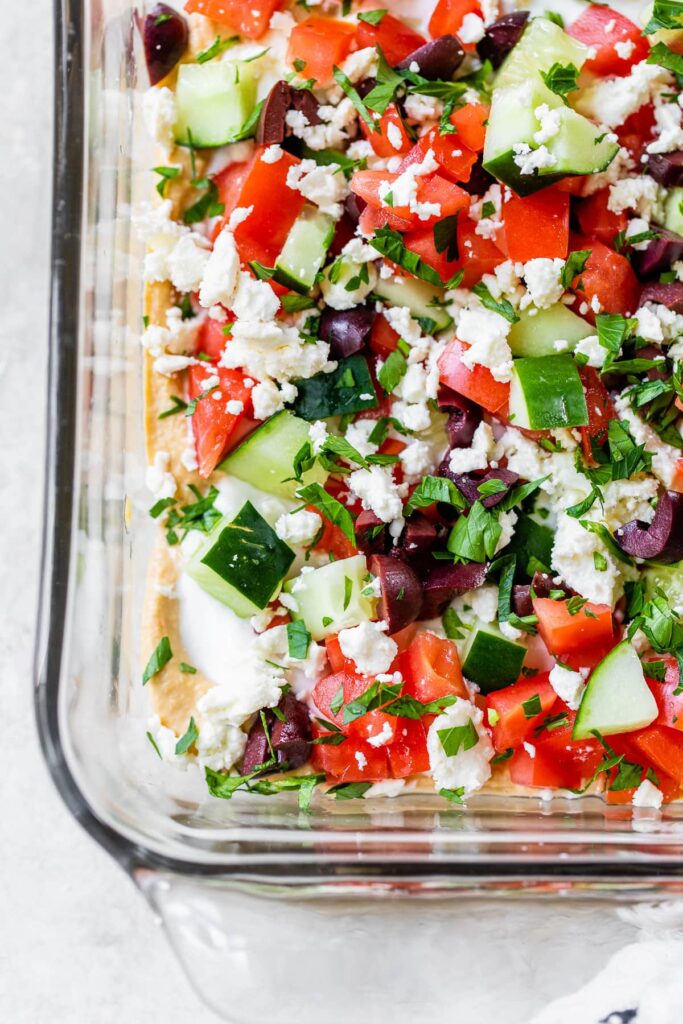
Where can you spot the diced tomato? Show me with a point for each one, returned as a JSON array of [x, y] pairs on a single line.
[[408, 753], [510, 722], [448, 16], [662, 748], [431, 669], [477, 255], [596, 220], [471, 124], [422, 243], [677, 481], [602, 28], [327, 692], [382, 140], [600, 411], [577, 759], [539, 771], [455, 159], [573, 185], [372, 219], [431, 189], [212, 425], [229, 183], [322, 44], [275, 208], [375, 725], [670, 705], [394, 37], [338, 663], [637, 130], [609, 277], [404, 637], [248, 18], [211, 337], [477, 384], [383, 338], [562, 632], [537, 226], [353, 760], [333, 541], [587, 657]]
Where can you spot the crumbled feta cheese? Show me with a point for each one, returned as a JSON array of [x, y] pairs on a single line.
[[610, 101], [506, 521], [376, 489], [298, 527], [592, 348], [400, 318], [272, 154], [188, 457], [317, 432], [573, 559], [253, 299], [636, 226], [417, 460], [468, 769], [323, 185], [550, 121], [510, 631], [368, 646], [669, 132], [568, 685], [530, 160], [665, 457], [649, 325], [403, 191], [480, 604], [160, 481], [160, 115], [648, 795], [381, 738], [486, 331], [478, 455], [361, 64], [234, 407], [422, 109], [640, 193], [358, 433], [471, 29], [624, 48], [273, 350], [542, 278], [167, 365], [530, 749], [266, 399], [394, 135]]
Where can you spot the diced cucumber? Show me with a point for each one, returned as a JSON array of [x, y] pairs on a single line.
[[673, 211], [547, 393], [422, 299], [331, 598], [304, 250], [668, 578], [536, 331], [617, 698], [543, 44], [213, 101], [266, 458], [242, 563], [490, 659], [347, 389]]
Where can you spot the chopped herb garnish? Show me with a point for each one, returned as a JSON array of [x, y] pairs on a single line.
[[532, 706], [432, 489], [392, 371], [372, 17], [503, 307], [561, 79], [167, 174], [154, 744], [315, 494], [458, 737], [576, 264], [187, 739], [178, 406], [218, 46], [349, 790], [298, 639], [390, 244], [161, 655], [188, 670]]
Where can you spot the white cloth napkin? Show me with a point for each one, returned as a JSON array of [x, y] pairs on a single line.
[[641, 984]]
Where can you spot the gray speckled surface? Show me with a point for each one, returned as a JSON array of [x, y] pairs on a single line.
[[77, 942]]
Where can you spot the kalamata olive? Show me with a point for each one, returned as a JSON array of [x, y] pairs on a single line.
[[418, 537], [542, 584], [401, 591], [257, 751], [666, 168], [447, 398], [660, 255], [652, 352], [372, 535], [291, 737], [305, 102], [669, 295], [479, 180], [164, 37], [438, 59], [365, 86], [662, 538], [521, 599], [354, 206], [500, 37], [272, 126], [444, 582], [346, 330], [461, 425], [469, 485]]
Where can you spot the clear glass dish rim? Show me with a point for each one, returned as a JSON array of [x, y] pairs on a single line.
[[69, 181]]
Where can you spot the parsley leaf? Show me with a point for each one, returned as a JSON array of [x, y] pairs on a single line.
[[667, 14], [474, 537], [345, 84], [458, 737], [372, 17], [187, 739], [432, 489], [160, 656], [217, 47], [393, 370], [298, 639], [576, 264], [315, 494], [390, 244], [388, 81], [503, 307], [561, 79], [446, 236]]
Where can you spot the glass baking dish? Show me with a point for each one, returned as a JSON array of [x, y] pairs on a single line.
[[241, 885]]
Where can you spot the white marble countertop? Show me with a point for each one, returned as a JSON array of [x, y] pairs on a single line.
[[77, 942]]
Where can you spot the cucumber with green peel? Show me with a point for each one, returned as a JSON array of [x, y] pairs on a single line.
[[673, 210], [489, 659], [331, 598], [213, 102], [266, 458], [617, 698], [346, 390], [668, 578], [546, 393], [543, 44], [304, 251], [242, 562], [537, 330], [424, 301]]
